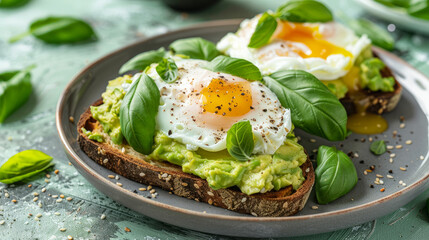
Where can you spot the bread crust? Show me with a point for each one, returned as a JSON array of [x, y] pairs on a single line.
[[171, 178]]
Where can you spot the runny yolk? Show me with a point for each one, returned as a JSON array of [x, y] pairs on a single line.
[[363, 122], [225, 98], [310, 37]]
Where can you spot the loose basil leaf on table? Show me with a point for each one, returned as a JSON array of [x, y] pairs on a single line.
[[304, 11], [378, 35], [143, 60], [267, 24], [239, 141], [24, 165], [12, 3], [335, 174], [235, 66], [58, 30], [378, 147], [314, 108], [15, 89], [138, 112], [167, 70], [197, 48]]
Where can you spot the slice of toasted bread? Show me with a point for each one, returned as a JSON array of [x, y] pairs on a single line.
[[170, 177], [375, 102]]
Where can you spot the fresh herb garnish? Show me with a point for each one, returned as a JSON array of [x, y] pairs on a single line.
[[378, 147], [167, 70], [304, 11], [59, 30], [378, 35], [267, 24], [24, 165], [196, 48], [143, 60], [138, 112], [315, 109], [15, 89], [235, 66], [239, 141], [12, 3], [335, 174]]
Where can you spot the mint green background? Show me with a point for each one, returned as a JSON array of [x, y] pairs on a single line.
[[118, 23]]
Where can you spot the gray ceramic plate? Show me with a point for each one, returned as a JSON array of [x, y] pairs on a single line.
[[360, 205]]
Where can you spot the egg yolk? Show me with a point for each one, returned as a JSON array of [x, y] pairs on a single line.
[[310, 37], [226, 98]]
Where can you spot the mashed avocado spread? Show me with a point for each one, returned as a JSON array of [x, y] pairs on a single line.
[[260, 174]]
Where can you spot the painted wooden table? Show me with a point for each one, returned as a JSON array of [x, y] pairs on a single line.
[[85, 213]]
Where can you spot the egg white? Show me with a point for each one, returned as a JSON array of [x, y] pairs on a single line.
[[331, 68], [180, 117]]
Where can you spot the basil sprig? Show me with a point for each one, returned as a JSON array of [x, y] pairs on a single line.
[[138, 114], [143, 60], [314, 108], [12, 3], [304, 11], [196, 48], [24, 165], [59, 30], [239, 141], [378, 147], [167, 70], [335, 174], [267, 24], [15, 89], [235, 66], [378, 35]]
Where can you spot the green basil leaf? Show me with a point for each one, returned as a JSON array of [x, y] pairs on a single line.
[[15, 89], [23, 165], [12, 3], [378, 147], [167, 70], [197, 48], [239, 141], [267, 24], [378, 35], [58, 30], [395, 3], [138, 113], [314, 108], [419, 9], [335, 174], [304, 11], [143, 60], [235, 66]]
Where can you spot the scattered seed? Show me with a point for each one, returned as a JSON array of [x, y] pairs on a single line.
[[48, 175], [111, 176], [142, 189], [36, 219], [123, 150], [408, 142], [315, 150], [368, 170], [404, 184], [356, 155], [35, 194], [69, 237], [389, 147], [142, 174], [210, 201], [69, 199], [63, 229], [370, 139], [127, 229], [2, 222], [152, 191], [421, 157], [70, 164], [402, 125], [243, 199], [57, 171], [30, 185], [315, 207], [400, 182], [149, 187], [117, 177], [6, 195], [14, 201], [35, 199], [398, 146], [254, 214], [59, 200], [43, 189], [102, 217], [391, 160], [381, 181], [40, 205], [153, 195], [39, 215], [403, 169], [71, 119], [365, 172], [57, 213], [9, 138], [312, 140], [119, 184], [105, 160], [47, 180], [61, 196], [184, 184], [382, 190], [379, 176], [389, 176], [392, 155], [54, 196]]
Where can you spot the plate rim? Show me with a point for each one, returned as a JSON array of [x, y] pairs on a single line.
[[216, 23]]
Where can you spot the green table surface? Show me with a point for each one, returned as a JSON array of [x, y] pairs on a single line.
[[118, 23]]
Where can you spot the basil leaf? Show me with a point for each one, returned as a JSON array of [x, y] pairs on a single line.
[[12, 3], [59, 30], [235, 66], [378, 147], [378, 35], [138, 112], [314, 108], [267, 24], [167, 70], [419, 9], [304, 11], [239, 141], [15, 89], [335, 174], [23, 165], [143, 60], [197, 48]]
